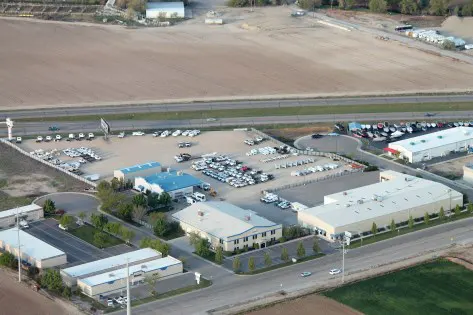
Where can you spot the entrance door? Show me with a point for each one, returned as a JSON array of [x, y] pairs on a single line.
[[263, 245]]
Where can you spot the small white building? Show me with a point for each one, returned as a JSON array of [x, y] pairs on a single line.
[[168, 10], [227, 225], [32, 250], [115, 281], [28, 213], [436, 144], [176, 184], [139, 170], [72, 274]]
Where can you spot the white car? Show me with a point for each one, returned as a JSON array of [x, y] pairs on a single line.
[[109, 302], [18, 140], [334, 271], [58, 137], [62, 227], [138, 133], [71, 136], [176, 133], [81, 136], [156, 134], [121, 135], [186, 133], [39, 139], [164, 134], [91, 135], [23, 224], [48, 138]]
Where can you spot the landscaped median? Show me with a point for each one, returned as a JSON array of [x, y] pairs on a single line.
[[285, 264], [87, 233]]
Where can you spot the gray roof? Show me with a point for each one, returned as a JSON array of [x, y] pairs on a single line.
[[398, 194], [140, 167], [30, 245], [222, 219], [20, 210]]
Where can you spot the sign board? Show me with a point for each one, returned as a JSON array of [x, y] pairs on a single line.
[[197, 277], [104, 125]]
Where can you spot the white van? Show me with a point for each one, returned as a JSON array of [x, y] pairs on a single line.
[[199, 196], [23, 224], [190, 200]]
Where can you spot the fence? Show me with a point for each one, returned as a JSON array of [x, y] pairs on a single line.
[[88, 182]]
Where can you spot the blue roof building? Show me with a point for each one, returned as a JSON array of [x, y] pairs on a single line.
[[139, 170], [176, 184]]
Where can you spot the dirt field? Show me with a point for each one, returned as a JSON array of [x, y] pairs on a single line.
[[310, 305], [453, 168], [273, 54], [18, 299], [459, 27]]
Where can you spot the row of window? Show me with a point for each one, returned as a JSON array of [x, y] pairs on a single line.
[[273, 239], [245, 239]]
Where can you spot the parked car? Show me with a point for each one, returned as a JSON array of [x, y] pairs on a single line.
[[81, 136], [316, 136], [306, 274], [57, 138], [109, 302], [18, 140], [48, 138], [64, 228], [23, 224], [121, 134], [39, 139], [334, 271], [138, 133], [53, 128], [91, 135]]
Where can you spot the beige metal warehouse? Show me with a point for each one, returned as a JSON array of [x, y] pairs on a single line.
[[115, 281], [227, 225], [29, 213], [396, 197], [32, 250], [139, 170], [70, 275]]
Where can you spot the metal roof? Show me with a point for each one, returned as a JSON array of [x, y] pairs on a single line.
[[170, 181], [165, 6], [435, 139], [369, 202], [140, 167], [222, 219], [30, 245], [20, 210], [110, 262], [116, 275]]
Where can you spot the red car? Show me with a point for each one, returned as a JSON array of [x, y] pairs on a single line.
[[244, 168]]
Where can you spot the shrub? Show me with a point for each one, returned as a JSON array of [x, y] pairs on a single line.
[[238, 3], [448, 45]]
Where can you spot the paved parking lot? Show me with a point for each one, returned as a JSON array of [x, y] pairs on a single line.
[[72, 203], [78, 251], [162, 285]]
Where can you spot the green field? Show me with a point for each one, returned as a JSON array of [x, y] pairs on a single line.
[[86, 233], [436, 288], [277, 111]]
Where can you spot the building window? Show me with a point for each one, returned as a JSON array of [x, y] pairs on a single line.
[[236, 242], [255, 237], [245, 239], [221, 241], [273, 232], [263, 234], [245, 246]]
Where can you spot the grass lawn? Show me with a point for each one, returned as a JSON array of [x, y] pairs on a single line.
[[299, 260], [279, 111], [435, 288], [174, 234], [86, 233]]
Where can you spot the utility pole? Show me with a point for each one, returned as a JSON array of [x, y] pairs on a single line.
[[128, 302], [19, 246], [343, 259]]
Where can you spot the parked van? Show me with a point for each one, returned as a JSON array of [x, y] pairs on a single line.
[[190, 200], [199, 196], [23, 224]]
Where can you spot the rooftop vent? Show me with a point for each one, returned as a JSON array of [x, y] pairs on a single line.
[[423, 141], [360, 201], [247, 217], [440, 137], [347, 205], [111, 275], [179, 173], [345, 193], [412, 143], [200, 213]]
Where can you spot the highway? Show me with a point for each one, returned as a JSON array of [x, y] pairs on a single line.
[[201, 106], [231, 289], [41, 128]]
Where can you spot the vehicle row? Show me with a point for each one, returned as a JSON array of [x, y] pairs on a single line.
[[263, 151], [276, 200], [71, 137], [255, 141], [315, 169], [167, 133], [294, 163]]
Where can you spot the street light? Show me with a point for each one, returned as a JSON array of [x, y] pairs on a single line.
[[345, 238]]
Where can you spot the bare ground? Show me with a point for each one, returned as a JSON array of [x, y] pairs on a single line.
[[274, 54]]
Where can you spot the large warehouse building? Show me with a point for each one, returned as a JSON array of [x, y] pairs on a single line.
[[155, 10], [72, 274], [115, 281], [396, 197], [436, 144], [139, 170], [29, 213], [33, 250], [227, 225], [176, 184]]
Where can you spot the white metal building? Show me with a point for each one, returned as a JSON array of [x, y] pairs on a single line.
[[32, 250], [72, 274], [396, 197], [435, 144], [227, 225], [156, 10], [29, 213], [176, 184], [115, 281], [139, 170]]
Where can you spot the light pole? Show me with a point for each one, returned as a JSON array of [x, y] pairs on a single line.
[[19, 245], [345, 238], [128, 302]]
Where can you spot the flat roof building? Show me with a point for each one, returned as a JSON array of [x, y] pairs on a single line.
[[114, 281], [29, 213], [139, 170], [175, 183], [396, 197], [227, 225], [436, 144], [33, 250], [156, 10], [72, 274]]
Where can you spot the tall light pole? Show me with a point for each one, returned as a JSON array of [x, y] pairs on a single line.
[[19, 245], [128, 302]]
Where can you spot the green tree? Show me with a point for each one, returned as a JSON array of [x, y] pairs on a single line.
[[309, 4], [161, 226], [127, 234], [8, 260], [393, 226], [139, 212], [426, 218], [156, 244], [470, 207], [52, 280], [267, 260], [103, 187], [121, 183], [100, 238], [408, 7], [251, 264], [448, 45], [441, 214], [411, 222], [300, 250], [113, 227], [66, 221], [293, 232], [193, 238], [467, 9], [236, 264], [438, 7], [183, 259], [82, 215], [202, 247], [125, 211], [284, 254], [164, 199], [219, 255], [153, 200], [49, 207], [151, 281], [378, 6], [374, 229], [456, 11], [111, 201], [139, 200], [457, 210], [115, 184], [99, 220], [66, 292], [316, 246]]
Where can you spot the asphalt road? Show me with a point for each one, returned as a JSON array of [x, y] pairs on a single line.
[[200, 106], [41, 128], [228, 289]]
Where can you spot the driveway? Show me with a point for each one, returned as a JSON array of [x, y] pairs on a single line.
[[72, 203]]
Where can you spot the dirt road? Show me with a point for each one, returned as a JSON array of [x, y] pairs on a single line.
[[263, 53]]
